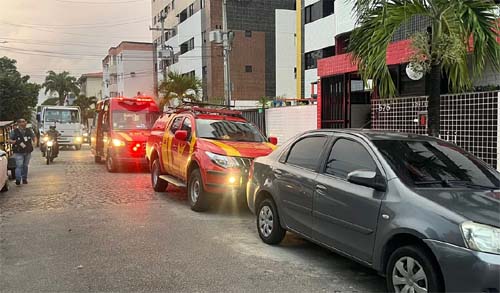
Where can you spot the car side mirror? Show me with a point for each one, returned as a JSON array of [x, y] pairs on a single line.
[[181, 135], [273, 140], [368, 179]]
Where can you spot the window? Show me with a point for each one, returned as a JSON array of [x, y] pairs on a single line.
[[175, 125], [186, 125], [202, 4], [328, 7], [173, 4], [204, 72], [187, 46], [306, 153], [308, 14], [328, 52], [310, 60], [183, 15], [248, 68], [154, 20], [191, 10], [248, 34], [228, 130], [347, 156], [204, 36]]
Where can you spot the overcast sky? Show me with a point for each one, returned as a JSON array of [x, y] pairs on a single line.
[[71, 35]]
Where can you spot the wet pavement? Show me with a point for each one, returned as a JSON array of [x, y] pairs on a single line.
[[76, 227]]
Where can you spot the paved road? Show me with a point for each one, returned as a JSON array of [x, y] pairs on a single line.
[[75, 227]]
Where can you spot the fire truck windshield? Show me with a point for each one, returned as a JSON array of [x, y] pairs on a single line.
[[228, 130], [133, 120]]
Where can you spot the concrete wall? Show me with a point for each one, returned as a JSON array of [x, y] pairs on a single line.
[[310, 75], [93, 87], [286, 122], [319, 34], [488, 77], [344, 18], [285, 53]]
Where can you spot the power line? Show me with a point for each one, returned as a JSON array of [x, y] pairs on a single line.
[[100, 3]]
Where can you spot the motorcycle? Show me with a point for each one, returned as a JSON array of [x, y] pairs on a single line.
[[49, 147]]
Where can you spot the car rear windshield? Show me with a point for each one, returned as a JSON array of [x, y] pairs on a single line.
[[228, 130], [133, 120], [436, 163]]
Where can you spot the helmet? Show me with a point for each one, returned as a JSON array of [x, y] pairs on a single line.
[[52, 127]]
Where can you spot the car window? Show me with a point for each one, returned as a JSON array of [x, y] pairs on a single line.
[[186, 125], [175, 124], [347, 156], [306, 152]]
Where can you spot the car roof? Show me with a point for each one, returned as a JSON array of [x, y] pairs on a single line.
[[372, 134]]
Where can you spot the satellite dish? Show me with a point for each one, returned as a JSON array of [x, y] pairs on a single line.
[[414, 71]]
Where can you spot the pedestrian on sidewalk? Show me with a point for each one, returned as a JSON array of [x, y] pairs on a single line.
[[22, 138]]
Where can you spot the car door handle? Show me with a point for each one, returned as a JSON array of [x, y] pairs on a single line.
[[278, 172], [321, 189]]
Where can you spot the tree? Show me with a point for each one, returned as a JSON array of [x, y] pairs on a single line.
[[51, 102], [18, 96], [87, 106], [61, 83], [460, 31], [180, 86]]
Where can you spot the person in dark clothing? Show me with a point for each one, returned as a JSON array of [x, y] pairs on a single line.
[[53, 134], [22, 138]]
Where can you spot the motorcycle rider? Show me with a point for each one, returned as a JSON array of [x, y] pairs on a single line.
[[53, 134]]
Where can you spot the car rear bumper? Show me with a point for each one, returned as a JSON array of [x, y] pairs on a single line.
[[465, 270]]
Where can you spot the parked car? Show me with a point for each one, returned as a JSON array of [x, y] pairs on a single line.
[[419, 210], [209, 151], [4, 177]]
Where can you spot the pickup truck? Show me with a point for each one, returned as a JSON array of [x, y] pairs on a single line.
[[207, 151]]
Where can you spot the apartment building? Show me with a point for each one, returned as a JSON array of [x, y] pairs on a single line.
[[91, 85], [253, 56], [128, 70]]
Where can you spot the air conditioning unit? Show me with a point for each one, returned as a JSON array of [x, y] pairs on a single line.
[[215, 36]]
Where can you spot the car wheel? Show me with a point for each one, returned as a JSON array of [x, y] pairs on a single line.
[[268, 223], [411, 269], [197, 196], [5, 187], [110, 164], [159, 185]]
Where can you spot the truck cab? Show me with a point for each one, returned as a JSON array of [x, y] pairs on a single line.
[[68, 122], [120, 131]]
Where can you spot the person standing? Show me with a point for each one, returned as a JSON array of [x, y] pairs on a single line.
[[22, 138]]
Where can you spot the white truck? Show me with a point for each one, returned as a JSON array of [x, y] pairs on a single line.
[[68, 122]]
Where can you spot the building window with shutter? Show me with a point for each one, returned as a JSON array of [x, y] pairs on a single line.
[[248, 68]]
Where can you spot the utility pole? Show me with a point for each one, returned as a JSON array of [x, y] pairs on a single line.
[[226, 47], [163, 49]]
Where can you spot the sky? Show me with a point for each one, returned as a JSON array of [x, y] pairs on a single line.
[[71, 35]]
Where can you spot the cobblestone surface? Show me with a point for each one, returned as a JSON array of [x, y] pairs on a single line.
[[75, 227]]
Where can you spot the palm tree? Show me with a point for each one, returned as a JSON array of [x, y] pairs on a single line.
[[87, 106], [61, 83], [455, 28], [180, 86]]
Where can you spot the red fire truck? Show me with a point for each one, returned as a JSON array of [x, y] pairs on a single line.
[[121, 129]]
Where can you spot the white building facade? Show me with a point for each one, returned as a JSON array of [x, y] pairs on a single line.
[[128, 70]]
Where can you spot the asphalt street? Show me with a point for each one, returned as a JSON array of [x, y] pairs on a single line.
[[76, 227]]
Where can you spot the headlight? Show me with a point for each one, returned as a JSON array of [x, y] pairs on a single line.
[[223, 161], [118, 143], [50, 143], [481, 237], [45, 138], [85, 134], [78, 139]]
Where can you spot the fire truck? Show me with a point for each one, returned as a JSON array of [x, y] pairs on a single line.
[[208, 151], [120, 131]]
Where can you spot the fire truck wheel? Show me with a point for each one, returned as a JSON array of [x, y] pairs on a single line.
[[110, 164], [159, 185], [197, 196]]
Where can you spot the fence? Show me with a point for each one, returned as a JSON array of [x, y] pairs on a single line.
[[257, 117], [469, 120]]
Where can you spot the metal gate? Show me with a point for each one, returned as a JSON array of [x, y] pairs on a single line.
[[256, 116], [334, 102]]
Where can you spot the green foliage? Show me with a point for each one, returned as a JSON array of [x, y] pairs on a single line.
[[452, 26], [180, 86], [264, 102], [61, 83], [51, 102], [18, 96], [87, 106]]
